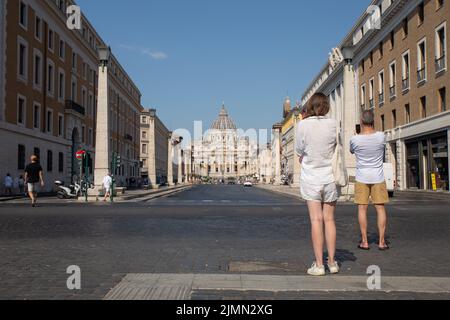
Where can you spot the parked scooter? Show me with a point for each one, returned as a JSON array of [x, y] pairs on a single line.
[[73, 191]]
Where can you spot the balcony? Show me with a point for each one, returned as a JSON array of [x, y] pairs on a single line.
[[421, 75], [440, 64], [129, 137], [381, 98], [392, 92], [73, 106], [405, 84]]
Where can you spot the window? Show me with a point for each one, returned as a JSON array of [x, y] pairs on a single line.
[[144, 148], [22, 59], [421, 13], [49, 121], [441, 61], [60, 125], [21, 110], [144, 134], [421, 61], [392, 80], [371, 89], [21, 157], [405, 28], [38, 28], [50, 77], [90, 105], [73, 93], [36, 116], [61, 162], [61, 85], [49, 161], [382, 123], [362, 67], [381, 87], [407, 113], [405, 71], [51, 43], [392, 39], [83, 134], [62, 49], [84, 97], [371, 58], [423, 106], [442, 99], [74, 61], [439, 4], [363, 96], [394, 118], [37, 79], [23, 15], [144, 119]]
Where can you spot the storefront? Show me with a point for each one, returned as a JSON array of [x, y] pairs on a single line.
[[427, 162]]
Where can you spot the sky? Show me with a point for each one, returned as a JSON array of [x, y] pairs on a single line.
[[188, 57]]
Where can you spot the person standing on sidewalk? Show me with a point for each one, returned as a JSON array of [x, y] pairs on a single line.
[[107, 184], [369, 148], [8, 184], [316, 144], [34, 175], [21, 184]]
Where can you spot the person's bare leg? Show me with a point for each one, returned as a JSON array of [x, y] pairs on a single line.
[[330, 230], [316, 216], [362, 217], [382, 222], [31, 195]]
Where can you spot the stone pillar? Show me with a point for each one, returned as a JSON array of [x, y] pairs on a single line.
[[180, 164], [448, 152], [296, 165], [348, 123], [277, 160], [102, 138], [151, 160], [170, 160]]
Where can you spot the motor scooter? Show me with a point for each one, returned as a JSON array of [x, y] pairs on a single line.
[[70, 192]]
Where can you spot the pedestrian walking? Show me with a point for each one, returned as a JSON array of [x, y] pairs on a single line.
[[316, 145], [369, 147], [107, 184], [33, 177], [8, 184], [21, 185]]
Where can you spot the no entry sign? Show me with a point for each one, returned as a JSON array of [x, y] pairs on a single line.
[[80, 154]]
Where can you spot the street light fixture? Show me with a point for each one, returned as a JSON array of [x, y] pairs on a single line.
[[348, 53], [104, 53], [152, 113]]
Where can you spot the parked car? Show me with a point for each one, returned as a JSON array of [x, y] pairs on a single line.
[[248, 184]]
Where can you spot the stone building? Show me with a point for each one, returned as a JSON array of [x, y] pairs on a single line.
[[403, 76], [49, 81]]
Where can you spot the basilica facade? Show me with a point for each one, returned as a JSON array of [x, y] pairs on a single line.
[[222, 154]]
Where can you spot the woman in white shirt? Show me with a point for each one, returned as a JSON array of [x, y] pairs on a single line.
[[316, 143]]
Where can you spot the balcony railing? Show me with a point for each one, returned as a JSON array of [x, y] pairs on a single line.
[[392, 91], [421, 75], [128, 137], [405, 84], [381, 98], [371, 103], [72, 105], [440, 64]]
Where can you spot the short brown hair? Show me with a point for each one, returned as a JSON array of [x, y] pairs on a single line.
[[34, 158], [318, 105]]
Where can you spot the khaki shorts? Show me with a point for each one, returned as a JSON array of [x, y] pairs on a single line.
[[376, 192]]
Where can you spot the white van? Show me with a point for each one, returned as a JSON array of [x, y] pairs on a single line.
[[390, 178]]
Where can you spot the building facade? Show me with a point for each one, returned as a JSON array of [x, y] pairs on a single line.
[[49, 89], [403, 76], [224, 155], [154, 148]]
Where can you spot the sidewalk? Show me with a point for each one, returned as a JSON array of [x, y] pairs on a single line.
[[148, 194]]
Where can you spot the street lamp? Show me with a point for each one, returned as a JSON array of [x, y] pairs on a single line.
[[348, 54], [152, 113], [104, 53]]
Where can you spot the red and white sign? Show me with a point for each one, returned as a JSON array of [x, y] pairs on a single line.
[[80, 154]]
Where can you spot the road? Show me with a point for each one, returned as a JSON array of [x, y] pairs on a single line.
[[208, 230]]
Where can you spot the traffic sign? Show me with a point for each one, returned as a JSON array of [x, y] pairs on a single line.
[[80, 154]]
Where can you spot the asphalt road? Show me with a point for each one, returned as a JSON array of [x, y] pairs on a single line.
[[208, 229]]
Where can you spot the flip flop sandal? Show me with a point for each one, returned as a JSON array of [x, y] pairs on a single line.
[[385, 248], [363, 248]]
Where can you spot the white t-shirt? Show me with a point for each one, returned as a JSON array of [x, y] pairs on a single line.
[[8, 182], [369, 151], [107, 182], [316, 143]]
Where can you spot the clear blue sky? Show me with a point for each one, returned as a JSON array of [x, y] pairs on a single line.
[[187, 57]]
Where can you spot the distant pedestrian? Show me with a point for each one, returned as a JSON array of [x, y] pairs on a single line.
[[316, 144], [33, 176], [107, 184], [9, 182], [369, 148], [21, 185]]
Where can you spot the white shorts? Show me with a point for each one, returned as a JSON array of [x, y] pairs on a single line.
[[328, 193], [33, 187]]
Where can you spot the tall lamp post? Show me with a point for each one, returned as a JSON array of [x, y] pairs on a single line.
[[102, 141]]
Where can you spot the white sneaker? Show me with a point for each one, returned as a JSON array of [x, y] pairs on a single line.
[[316, 270], [334, 268]]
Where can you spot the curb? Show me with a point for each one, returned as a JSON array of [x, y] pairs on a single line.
[[154, 194]]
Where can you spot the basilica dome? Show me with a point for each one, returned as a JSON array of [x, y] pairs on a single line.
[[223, 122]]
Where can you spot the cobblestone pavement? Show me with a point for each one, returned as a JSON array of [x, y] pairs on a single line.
[[208, 229]]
